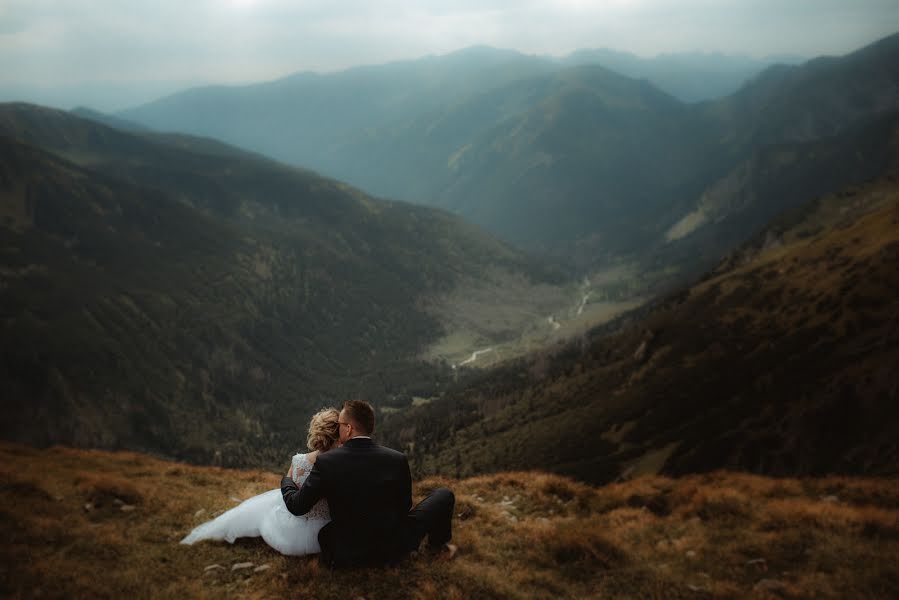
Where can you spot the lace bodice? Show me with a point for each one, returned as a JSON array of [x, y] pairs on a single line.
[[301, 468]]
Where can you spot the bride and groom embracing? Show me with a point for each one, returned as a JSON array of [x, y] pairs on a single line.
[[349, 499]]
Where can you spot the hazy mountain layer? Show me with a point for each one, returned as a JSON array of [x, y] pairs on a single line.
[[181, 296], [781, 362], [575, 161], [690, 77]]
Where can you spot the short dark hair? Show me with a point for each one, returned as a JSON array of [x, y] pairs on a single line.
[[362, 414]]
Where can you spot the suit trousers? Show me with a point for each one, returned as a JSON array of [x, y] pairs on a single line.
[[431, 518]]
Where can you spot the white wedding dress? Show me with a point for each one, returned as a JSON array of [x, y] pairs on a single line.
[[265, 515]]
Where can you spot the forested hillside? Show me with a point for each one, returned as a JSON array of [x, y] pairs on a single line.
[[179, 296]]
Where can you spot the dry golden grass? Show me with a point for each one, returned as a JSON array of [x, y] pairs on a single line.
[[100, 524]]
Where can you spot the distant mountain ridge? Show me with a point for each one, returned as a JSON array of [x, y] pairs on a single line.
[[568, 159], [689, 77]]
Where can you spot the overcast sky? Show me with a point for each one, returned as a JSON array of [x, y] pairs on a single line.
[[100, 44]]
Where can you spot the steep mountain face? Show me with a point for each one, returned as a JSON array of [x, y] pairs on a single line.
[[774, 179], [181, 296], [819, 99], [572, 161], [548, 160], [781, 362]]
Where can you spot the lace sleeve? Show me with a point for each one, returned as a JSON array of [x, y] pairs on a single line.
[[301, 468]]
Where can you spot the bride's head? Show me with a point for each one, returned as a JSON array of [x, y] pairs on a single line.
[[323, 430]]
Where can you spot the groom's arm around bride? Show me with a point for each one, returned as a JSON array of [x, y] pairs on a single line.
[[369, 493]]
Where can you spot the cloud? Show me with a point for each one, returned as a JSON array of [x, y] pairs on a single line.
[[71, 41]]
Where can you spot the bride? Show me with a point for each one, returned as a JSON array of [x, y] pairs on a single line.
[[265, 515]]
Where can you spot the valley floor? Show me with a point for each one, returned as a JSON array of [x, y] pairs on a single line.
[[506, 317], [78, 523]]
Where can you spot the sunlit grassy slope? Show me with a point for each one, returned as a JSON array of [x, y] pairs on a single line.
[[782, 362], [79, 523]]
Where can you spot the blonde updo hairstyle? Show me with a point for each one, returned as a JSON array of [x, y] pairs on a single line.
[[323, 430]]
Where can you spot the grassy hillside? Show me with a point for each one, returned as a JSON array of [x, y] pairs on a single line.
[[107, 525], [177, 295], [781, 362]]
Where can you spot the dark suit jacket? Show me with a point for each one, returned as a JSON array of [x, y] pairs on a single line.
[[369, 493]]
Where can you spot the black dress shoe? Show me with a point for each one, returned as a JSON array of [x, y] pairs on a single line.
[[444, 551]]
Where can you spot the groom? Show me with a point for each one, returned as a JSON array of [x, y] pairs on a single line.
[[369, 492]]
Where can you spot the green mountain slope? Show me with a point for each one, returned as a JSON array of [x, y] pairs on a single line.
[[781, 362], [180, 296]]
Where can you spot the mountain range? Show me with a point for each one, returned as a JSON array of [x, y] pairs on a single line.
[[568, 159]]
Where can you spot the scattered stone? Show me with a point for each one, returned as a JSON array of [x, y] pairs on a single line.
[[761, 563], [117, 501], [479, 498], [640, 354], [214, 567], [233, 499], [127, 507], [241, 566], [696, 588], [59, 498], [831, 499], [769, 585], [200, 512], [509, 516], [89, 507], [261, 568], [690, 554], [626, 474]]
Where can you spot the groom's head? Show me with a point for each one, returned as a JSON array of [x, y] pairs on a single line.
[[356, 418]]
